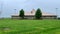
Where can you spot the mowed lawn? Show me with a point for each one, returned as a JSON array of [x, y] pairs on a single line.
[[9, 26]]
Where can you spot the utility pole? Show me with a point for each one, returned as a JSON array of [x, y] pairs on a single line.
[[15, 11], [56, 13], [1, 8]]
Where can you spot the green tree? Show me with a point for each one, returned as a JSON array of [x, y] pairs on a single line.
[[38, 14], [21, 14]]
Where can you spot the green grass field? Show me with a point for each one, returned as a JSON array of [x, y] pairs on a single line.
[[9, 26]]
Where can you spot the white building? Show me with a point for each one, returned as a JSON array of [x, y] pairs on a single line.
[[31, 15]]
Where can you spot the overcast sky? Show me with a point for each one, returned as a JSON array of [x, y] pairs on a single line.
[[48, 6]]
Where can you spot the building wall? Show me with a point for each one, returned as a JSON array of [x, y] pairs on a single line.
[[31, 17], [49, 17]]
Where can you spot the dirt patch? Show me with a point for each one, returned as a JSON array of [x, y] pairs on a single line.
[[5, 28]]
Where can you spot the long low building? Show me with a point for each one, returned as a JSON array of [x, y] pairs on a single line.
[[31, 15]]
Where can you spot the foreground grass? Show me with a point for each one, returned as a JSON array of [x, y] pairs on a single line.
[[29, 26]]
